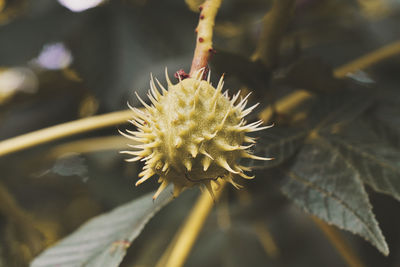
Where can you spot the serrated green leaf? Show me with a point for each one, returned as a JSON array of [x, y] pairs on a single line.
[[385, 119], [328, 114], [103, 241], [325, 184], [333, 111], [377, 162], [280, 143]]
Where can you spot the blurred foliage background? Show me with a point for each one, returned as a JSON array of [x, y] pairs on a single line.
[[65, 60]]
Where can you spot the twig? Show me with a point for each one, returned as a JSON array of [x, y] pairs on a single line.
[[223, 216], [368, 60], [336, 239], [286, 103], [204, 31], [275, 23], [267, 240], [63, 130], [186, 237], [90, 145]]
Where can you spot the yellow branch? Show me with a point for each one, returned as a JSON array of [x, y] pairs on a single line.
[[184, 240], [267, 240], [369, 59], [336, 239], [299, 96], [63, 130], [204, 31], [2, 5], [285, 104], [90, 145]]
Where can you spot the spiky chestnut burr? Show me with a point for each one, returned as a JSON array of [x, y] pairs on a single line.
[[192, 134]]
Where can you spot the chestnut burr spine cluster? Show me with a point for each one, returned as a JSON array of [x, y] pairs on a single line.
[[192, 134]]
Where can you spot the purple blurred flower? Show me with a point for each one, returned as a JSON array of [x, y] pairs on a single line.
[[54, 56]]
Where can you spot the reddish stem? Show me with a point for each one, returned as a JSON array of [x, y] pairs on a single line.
[[204, 30]]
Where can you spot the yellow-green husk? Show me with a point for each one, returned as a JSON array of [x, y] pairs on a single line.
[[192, 134]]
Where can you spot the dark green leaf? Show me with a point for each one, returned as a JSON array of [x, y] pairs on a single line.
[[377, 162], [324, 183], [103, 240], [279, 143], [333, 111], [385, 118], [329, 114]]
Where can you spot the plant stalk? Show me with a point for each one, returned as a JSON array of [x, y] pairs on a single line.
[[204, 50]]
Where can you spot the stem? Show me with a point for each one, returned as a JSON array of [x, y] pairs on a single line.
[[63, 130], [286, 103], [223, 216], [368, 59], [267, 240], [176, 255], [336, 239], [204, 31], [299, 96], [275, 24], [90, 145]]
